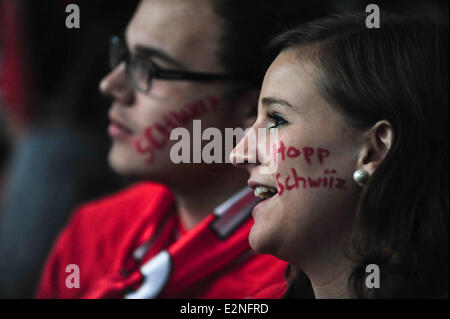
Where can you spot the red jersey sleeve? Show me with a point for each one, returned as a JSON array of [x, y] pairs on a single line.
[[64, 253], [99, 238]]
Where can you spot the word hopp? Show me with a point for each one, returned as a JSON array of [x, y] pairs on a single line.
[[157, 135], [291, 152]]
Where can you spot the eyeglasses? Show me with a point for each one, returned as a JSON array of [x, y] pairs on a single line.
[[141, 70]]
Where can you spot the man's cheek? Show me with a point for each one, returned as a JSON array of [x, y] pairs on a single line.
[[156, 136]]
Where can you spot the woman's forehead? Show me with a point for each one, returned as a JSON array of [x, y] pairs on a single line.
[[291, 79]]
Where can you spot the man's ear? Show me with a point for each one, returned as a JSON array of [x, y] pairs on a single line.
[[378, 140], [246, 109]]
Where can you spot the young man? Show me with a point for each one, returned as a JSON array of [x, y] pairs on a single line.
[[189, 237]]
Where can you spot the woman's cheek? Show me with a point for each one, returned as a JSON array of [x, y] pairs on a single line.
[[306, 167]]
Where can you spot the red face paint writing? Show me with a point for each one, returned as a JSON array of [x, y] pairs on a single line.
[[327, 181], [294, 181], [157, 135], [291, 152]]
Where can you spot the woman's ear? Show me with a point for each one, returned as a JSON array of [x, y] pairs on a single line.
[[378, 140], [246, 109]]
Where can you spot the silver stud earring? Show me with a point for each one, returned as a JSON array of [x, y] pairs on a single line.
[[360, 176]]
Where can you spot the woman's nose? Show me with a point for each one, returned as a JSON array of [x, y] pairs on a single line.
[[116, 85]]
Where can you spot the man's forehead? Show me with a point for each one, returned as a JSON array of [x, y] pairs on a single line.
[[176, 27]]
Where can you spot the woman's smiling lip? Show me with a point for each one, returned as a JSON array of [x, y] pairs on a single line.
[[254, 184], [262, 204]]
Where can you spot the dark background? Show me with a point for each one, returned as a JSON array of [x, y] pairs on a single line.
[[53, 141]]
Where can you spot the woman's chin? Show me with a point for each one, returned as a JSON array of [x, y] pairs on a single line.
[[259, 241]]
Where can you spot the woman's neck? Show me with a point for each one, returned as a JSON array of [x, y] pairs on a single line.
[[332, 284], [329, 273]]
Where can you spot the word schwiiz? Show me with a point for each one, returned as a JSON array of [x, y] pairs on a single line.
[[294, 181]]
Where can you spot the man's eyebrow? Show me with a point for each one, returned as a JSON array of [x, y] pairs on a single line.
[[267, 101], [154, 52]]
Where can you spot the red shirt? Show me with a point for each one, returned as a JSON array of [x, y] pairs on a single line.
[[131, 245]]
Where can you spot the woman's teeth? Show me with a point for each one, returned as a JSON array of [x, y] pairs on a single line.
[[264, 192]]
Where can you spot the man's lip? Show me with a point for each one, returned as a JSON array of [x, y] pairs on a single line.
[[119, 124], [117, 129]]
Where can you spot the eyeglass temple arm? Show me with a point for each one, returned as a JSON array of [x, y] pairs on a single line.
[[198, 76]]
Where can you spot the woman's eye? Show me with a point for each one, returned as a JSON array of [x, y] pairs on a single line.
[[277, 119]]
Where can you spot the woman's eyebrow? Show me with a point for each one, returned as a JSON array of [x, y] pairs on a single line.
[[269, 100]]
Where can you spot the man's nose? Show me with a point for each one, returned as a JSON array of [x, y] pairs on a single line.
[[246, 152], [116, 85]]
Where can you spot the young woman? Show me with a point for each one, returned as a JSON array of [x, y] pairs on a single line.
[[358, 203]]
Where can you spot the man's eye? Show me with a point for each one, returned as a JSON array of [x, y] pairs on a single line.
[[277, 119], [139, 62]]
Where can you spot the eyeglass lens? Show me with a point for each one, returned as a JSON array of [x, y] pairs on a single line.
[[138, 69]]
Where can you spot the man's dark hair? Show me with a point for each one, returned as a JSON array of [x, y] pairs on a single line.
[[399, 73]]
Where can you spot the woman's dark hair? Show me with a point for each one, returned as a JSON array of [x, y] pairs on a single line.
[[248, 27], [398, 73]]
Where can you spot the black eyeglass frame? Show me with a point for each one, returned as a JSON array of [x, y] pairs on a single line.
[[156, 72]]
